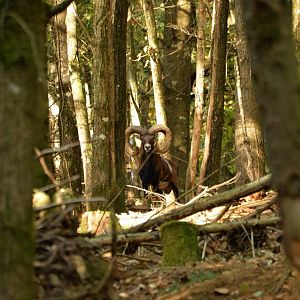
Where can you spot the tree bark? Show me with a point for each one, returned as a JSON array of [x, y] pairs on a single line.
[[199, 98], [110, 100], [210, 167], [276, 85], [134, 105], [70, 160], [155, 62], [119, 44], [296, 27], [23, 119], [249, 139], [177, 81], [79, 100], [104, 156]]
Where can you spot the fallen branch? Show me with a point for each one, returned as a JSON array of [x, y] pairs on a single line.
[[46, 169], [71, 201], [52, 186], [204, 204], [225, 227], [140, 237], [272, 200]]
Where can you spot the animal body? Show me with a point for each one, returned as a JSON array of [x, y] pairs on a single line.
[[155, 171]]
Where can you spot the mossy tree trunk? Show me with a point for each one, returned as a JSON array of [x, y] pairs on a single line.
[[23, 119], [276, 85]]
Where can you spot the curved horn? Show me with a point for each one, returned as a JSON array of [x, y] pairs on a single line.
[[129, 150], [165, 146]]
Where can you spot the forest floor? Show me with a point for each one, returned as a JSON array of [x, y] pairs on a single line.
[[267, 276], [240, 264]]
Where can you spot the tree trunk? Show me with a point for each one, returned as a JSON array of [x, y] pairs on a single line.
[[276, 86], [23, 118], [177, 80], [155, 63], [104, 156], [110, 100], [249, 139], [296, 26], [119, 45], [134, 107], [210, 167], [79, 100], [199, 98], [70, 160]]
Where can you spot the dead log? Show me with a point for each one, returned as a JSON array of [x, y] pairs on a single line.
[[205, 203], [136, 238], [225, 227], [140, 237]]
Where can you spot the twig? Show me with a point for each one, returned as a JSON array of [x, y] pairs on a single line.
[[57, 150], [147, 191], [46, 169], [259, 210], [207, 190], [282, 280], [52, 186], [69, 202], [141, 259], [252, 242], [63, 148], [114, 235], [222, 213]]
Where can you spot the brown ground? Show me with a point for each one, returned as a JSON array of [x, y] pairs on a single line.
[[267, 276]]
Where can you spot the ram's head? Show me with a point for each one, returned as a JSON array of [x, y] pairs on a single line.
[[148, 139]]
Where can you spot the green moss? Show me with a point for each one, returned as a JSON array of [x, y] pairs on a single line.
[[180, 245]]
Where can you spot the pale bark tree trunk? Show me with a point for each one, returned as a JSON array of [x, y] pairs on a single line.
[[79, 100], [155, 61], [132, 80], [199, 97], [249, 139], [296, 27], [276, 86], [23, 119], [70, 160], [177, 81], [210, 167]]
